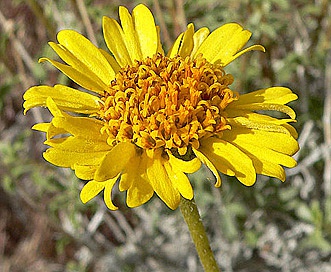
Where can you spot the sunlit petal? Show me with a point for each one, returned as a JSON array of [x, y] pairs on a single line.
[[114, 39], [66, 98], [160, 181], [115, 161], [146, 30], [107, 194], [91, 190], [210, 165], [86, 80], [78, 52], [179, 180], [223, 44], [229, 159]]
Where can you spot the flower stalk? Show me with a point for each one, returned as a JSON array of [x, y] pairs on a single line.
[[193, 220]]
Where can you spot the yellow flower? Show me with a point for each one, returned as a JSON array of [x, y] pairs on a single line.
[[147, 119]]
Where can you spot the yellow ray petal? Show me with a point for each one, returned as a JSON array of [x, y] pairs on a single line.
[[87, 128], [129, 34], [159, 45], [218, 40], [66, 98], [184, 166], [87, 53], [280, 142], [132, 180], [139, 193], [255, 117], [270, 169], [198, 38], [65, 158], [179, 181], [85, 172], [209, 164], [184, 43], [273, 95], [223, 43], [261, 121], [229, 59], [261, 153], [268, 107], [85, 80], [146, 30], [229, 159], [108, 193], [113, 63], [186, 46], [292, 130], [79, 145], [257, 124], [115, 161], [234, 37], [91, 190], [159, 179], [54, 109], [134, 169], [71, 60], [175, 46], [50, 129], [44, 127], [113, 35]]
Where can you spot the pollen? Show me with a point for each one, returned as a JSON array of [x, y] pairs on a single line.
[[166, 102]]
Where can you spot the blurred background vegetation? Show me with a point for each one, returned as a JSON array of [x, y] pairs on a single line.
[[271, 226]]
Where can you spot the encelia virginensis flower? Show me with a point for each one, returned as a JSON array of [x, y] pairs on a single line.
[[146, 118]]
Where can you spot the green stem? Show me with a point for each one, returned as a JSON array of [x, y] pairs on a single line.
[[192, 218]]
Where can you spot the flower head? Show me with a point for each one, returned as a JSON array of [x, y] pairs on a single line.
[[149, 118]]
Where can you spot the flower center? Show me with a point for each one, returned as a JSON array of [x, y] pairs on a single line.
[[169, 102]]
